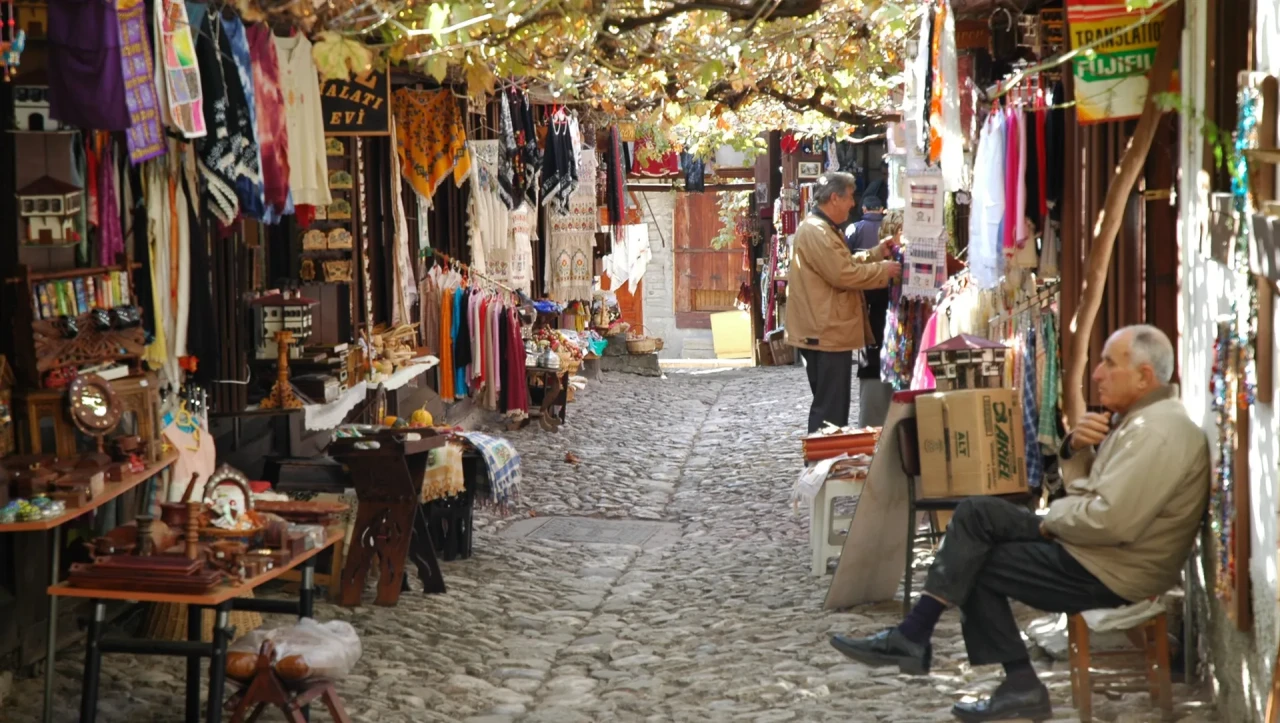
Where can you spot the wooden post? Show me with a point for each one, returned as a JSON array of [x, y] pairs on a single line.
[[1108, 223]]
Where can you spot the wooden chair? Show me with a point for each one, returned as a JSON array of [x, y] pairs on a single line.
[[909, 453], [1147, 669], [267, 688]]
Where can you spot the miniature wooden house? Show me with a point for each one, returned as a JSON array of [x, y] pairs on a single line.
[[31, 106], [49, 207], [284, 311], [967, 362]]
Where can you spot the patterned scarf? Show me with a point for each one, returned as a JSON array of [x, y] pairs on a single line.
[[502, 463]]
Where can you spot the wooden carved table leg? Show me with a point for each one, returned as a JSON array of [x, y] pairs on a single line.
[[551, 389], [382, 531]]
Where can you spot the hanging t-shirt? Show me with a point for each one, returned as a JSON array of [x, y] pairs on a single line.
[[300, 83]]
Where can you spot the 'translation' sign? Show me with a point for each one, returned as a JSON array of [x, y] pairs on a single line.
[[360, 106]]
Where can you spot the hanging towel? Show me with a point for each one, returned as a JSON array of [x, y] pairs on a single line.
[[502, 467]]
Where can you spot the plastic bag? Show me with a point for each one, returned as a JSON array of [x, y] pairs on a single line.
[[304, 651]]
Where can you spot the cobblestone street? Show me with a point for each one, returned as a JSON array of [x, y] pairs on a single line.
[[723, 623]]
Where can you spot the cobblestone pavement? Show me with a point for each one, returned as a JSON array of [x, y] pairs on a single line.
[[724, 624]]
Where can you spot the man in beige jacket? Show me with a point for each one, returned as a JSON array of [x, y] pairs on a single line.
[[1137, 484], [826, 314]]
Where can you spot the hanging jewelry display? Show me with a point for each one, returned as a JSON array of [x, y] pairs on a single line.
[[12, 42], [1232, 385]]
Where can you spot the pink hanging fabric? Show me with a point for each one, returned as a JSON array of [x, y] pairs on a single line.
[[110, 235], [922, 377]]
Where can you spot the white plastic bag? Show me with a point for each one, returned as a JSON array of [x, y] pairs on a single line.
[[327, 650]]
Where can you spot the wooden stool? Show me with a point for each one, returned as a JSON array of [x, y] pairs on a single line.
[[266, 688], [1149, 661]]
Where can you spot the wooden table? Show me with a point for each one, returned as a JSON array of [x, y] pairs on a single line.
[[223, 599], [555, 391], [110, 491], [388, 481]]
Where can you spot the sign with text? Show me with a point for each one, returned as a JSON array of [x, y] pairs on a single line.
[[359, 106], [1111, 80]]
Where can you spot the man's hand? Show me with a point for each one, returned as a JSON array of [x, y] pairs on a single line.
[[1092, 428], [893, 268], [889, 245]]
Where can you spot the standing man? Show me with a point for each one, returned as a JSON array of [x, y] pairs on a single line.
[[873, 395], [825, 316]]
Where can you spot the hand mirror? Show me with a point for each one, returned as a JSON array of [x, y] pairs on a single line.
[[95, 409]]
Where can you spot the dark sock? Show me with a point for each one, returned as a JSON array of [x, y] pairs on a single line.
[[1020, 675], [919, 623]]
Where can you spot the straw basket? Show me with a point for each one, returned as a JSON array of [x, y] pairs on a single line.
[[642, 344], [168, 621]]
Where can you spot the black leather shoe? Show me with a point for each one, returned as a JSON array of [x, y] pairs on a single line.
[[888, 647], [1008, 703]]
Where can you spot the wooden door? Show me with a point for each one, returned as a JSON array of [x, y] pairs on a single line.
[[631, 304], [707, 279]]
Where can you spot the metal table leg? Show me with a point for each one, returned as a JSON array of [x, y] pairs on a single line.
[[218, 662], [52, 632], [92, 663], [306, 605], [193, 665]]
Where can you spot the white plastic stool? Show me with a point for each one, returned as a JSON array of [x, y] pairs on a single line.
[[826, 531]]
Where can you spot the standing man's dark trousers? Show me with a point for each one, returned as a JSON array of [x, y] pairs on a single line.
[[830, 380], [993, 551]]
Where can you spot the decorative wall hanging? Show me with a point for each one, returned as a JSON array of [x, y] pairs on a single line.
[[334, 147], [924, 215], [314, 240], [337, 271], [340, 210], [308, 270], [340, 180], [340, 238]]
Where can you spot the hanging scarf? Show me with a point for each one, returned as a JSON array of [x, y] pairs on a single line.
[[110, 235], [615, 159], [269, 118], [217, 149], [146, 140], [177, 71], [405, 293], [430, 139], [508, 192]]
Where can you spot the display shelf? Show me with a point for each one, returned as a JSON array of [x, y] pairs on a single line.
[[217, 596], [111, 491]]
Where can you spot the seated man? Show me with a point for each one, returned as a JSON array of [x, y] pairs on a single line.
[[1138, 483]]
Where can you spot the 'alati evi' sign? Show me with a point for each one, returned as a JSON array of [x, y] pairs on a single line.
[[1111, 80], [359, 106]]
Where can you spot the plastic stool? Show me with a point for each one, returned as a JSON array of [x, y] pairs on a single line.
[[826, 531]]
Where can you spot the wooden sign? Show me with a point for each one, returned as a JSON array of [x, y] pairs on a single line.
[[360, 106]]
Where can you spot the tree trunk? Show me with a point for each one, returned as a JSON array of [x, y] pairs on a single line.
[[1109, 220]]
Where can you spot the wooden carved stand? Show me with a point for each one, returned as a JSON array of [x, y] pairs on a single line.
[[282, 396], [388, 482], [266, 688]]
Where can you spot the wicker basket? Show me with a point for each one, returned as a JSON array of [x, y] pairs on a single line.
[[642, 344]]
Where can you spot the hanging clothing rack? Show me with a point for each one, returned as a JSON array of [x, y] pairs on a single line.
[[471, 272]]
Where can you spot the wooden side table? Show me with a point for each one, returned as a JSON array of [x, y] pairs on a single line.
[[388, 480]]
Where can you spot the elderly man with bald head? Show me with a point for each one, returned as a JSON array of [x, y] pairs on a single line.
[[1137, 485]]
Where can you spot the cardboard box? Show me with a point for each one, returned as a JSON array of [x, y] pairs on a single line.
[[971, 443]]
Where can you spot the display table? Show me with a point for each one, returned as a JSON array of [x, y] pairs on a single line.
[[318, 417], [555, 391], [110, 491], [222, 599], [388, 481]]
